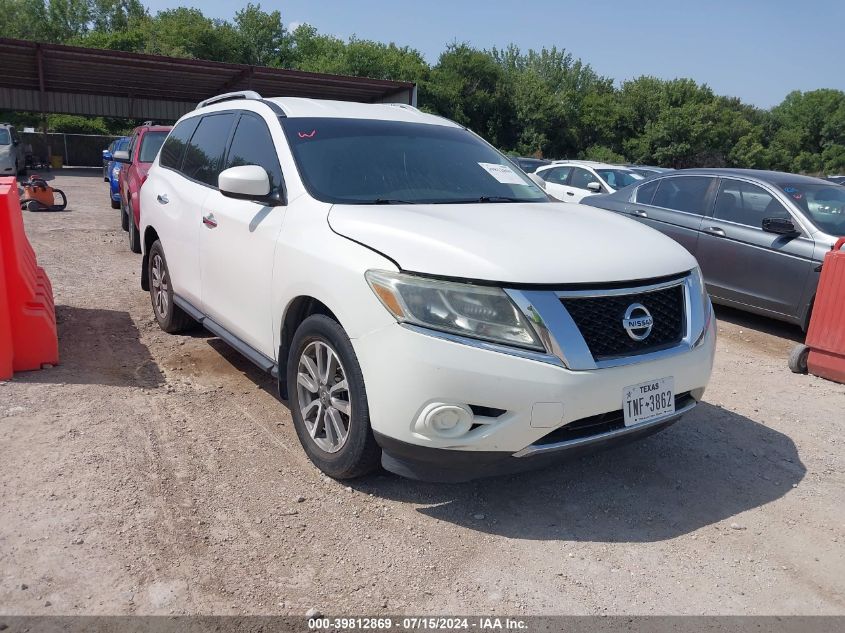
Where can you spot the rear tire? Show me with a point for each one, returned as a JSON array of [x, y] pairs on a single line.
[[328, 401], [798, 359], [171, 318], [134, 234]]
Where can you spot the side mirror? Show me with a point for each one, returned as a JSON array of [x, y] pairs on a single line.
[[594, 186], [247, 182], [121, 156], [780, 226], [537, 180], [107, 155]]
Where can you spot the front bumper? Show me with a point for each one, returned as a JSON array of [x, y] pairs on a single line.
[[407, 371], [450, 466]]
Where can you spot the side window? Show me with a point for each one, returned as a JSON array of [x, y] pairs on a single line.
[[556, 175], [204, 155], [747, 204], [581, 178], [683, 193], [173, 149], [132, 143], [253, 145], [645, 193]]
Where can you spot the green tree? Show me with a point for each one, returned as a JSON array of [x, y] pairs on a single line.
[[261, 36]]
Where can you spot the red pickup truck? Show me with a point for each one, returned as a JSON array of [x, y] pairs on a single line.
[[144, 144]]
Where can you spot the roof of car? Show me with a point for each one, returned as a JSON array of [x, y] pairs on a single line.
[[153, 128], [588, 163], [774, 177], [297, 107]]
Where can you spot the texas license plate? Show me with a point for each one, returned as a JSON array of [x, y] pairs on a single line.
[[648, 400]]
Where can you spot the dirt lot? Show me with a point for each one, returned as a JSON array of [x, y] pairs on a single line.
[[151, 473]]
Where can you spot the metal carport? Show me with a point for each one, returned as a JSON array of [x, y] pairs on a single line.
[[52, 78]]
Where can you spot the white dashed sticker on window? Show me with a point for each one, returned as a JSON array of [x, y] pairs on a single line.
[[502, 173]]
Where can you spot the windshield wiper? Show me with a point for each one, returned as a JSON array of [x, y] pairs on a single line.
[[388, 201], [497, 199]]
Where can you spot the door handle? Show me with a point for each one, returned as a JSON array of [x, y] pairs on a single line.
[[569, 193], [639, 213], [209, 221], [714, 230], [162, 198]]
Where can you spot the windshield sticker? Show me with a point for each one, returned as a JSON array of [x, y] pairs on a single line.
[[790, 190], [502, 173], [310, 134]]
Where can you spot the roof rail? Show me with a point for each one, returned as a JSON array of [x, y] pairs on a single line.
[[229, 96]]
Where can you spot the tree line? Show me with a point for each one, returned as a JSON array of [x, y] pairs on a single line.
[[544, 103]]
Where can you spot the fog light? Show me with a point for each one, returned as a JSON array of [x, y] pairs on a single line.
[[445, 420]]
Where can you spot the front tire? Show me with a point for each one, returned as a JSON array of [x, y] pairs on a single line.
[[171, 318], [328, 400], [124, 217], [134, 234], [114, 203]]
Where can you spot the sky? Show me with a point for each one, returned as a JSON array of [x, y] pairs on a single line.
[[753, 49]]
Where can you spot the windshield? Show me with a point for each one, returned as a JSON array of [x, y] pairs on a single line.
[[618, 178], [5, 136], [121, 144], [151, 142], [364, 161], [824, 205]]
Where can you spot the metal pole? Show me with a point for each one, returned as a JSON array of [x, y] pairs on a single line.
[[64, 136]]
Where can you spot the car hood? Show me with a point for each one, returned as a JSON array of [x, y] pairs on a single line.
[[513, 243]]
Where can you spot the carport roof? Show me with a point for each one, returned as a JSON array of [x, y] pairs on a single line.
[[52, 68]]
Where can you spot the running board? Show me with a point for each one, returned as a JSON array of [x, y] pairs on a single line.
[[245, 349]]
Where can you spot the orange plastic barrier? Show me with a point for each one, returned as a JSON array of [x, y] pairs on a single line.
[[5, 327], [826, 335], [27, 296]]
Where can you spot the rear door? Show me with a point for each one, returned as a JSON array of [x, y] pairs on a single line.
[[674, 206], [238, 241], [744, 264]]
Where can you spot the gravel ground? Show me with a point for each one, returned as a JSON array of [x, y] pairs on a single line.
[[157, 474]]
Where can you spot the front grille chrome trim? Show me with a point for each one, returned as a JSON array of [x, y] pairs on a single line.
[[563, 340]]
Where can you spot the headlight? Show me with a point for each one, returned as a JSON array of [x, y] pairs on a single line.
[[706, 306], [115, 171], [475, 311]]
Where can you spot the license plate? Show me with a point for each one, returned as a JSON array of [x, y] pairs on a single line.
[[648, 400]]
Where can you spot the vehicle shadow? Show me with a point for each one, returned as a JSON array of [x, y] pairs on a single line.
[[712, 465], [759, 323], [101, 347]]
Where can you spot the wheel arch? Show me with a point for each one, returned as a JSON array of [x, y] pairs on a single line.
[[299, 309], [150, 236]]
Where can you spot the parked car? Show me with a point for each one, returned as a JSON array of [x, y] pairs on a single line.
[[113, 169], [839, 180], [12, 159], [647, 170], [108, 156], [400, 300], [144, 144], [530, 165], [573, 180], [759, 236]]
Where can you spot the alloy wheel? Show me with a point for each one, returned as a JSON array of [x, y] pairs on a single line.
[[159, 281], [323, 396]]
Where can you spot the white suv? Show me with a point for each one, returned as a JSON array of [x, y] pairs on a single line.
[[572, 180], [420, 300]]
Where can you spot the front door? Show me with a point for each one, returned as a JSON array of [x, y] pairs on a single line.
[[238, 241], [746, 265]]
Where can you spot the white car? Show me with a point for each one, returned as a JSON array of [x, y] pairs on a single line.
[[11, 153], [421, 301], [572, 180]]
